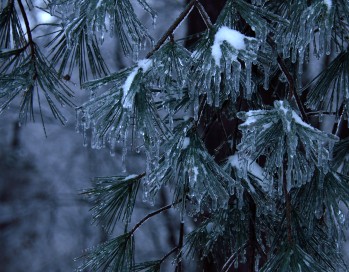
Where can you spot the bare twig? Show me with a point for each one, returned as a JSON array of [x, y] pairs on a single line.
[[151, 215], [204, 15], [173, 250], [27, 26], [173, 27]]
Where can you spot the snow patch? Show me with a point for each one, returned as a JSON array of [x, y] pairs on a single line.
[[231, 36], [328, 3], [127, 98], [299, 120], [294, 117], [253, 168], [186, 142], [132, 176], [285, 111], [196, 173]]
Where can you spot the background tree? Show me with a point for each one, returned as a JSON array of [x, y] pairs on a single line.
[[268, 193]]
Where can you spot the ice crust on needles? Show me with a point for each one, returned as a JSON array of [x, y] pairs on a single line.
[[127, 98], [233, 37]]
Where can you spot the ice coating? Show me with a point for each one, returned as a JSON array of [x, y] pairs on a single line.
[[127, 99]]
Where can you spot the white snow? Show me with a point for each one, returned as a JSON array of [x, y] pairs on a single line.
[[250, 120], [186, 142], [132, 176], [231, 36], [234, 161], [328, 3], [99, 3], [127, 99], [196, 173], [295, 117], [145, 64], [299, 120], [253, 168], [282, 107]]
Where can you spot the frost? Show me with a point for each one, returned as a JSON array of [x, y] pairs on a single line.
[[232, 37]]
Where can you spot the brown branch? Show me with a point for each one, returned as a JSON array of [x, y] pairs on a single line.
[[151, 215], [168, 254], [205, 17], [172, 28]]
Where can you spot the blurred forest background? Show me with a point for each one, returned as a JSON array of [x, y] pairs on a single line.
[[44, 222]]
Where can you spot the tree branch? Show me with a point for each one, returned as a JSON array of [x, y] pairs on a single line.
[[151, 215], [27, 26], [204, 15], [168, 254], [173, 27]]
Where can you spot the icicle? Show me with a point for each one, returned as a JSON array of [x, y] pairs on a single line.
[[289, 179], [240, 197], [236, 78], [170, 118], [320, 155], [196, 106], [217, 83], [78, 124], [256, 264], [85, 141], [281, 179], [155, 17], [321, 40], [214, 203], [266, 69], [123, 160], [321, 180], [248, 79]]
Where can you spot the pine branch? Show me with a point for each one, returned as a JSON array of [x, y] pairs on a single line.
[[173, 250], [27, 26], [173, 27], [205, 17], [140, 223]]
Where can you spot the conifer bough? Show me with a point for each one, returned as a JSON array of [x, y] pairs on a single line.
[[272, 194]]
